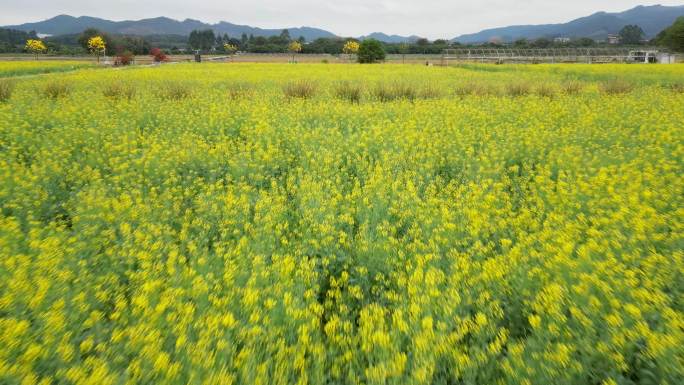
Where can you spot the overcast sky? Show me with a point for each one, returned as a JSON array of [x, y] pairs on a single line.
[[430, 18]]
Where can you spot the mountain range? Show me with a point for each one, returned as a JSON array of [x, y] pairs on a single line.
[[66, 25], [652, 19]]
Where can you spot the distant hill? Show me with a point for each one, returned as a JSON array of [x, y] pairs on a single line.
[[652, 19], [65, 25], [390, 38]]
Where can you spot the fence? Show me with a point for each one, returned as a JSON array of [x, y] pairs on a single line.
[[548, 55]]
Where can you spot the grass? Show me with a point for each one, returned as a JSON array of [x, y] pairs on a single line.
[[677, 87], [616, 86], [239, 90], [402, 90], [519, 88], [55, 89], [119, 90], [6, 89], [175, 90], [572, 87], [546, 90], [349, 91], [474, 88], [301, 89], [430, 91]]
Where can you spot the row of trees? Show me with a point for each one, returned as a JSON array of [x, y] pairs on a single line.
[[116, 45], [368, 51], [11, 39], [97, 45], [206, 41]]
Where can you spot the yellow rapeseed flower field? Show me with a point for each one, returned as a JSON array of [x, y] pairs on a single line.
[[343, 224]]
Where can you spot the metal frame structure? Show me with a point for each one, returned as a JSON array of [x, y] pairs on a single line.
[[546, 55]]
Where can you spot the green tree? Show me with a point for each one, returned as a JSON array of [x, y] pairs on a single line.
[[631, 34], [521, 43], [370, 51], [583, 42], [542, 42], [202, 40], [134, 44], [672, 37]]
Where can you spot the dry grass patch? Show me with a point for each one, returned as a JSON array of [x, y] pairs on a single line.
[[6, 90], [616, 87], [175, 90], [55, 89], [119, 90], [677, 87], [518, 89], [430, 91], [572, 87], [349, 91], [385, 92], [301, 89], [546, 90], [476, 89], [240, 90]]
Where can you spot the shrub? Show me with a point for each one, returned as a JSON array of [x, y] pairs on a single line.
[[349, 91], [55, 89], [370, 51], [125, 58], [616, 87], [6, 90], [158, 55], [303, 89], [518, 89], [118, 90]]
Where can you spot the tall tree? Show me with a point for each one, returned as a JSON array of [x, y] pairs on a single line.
[[673, 36], [631, 34], [370, 51], [202, 40]]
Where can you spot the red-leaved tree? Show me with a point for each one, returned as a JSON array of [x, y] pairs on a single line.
[[158, 55]]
